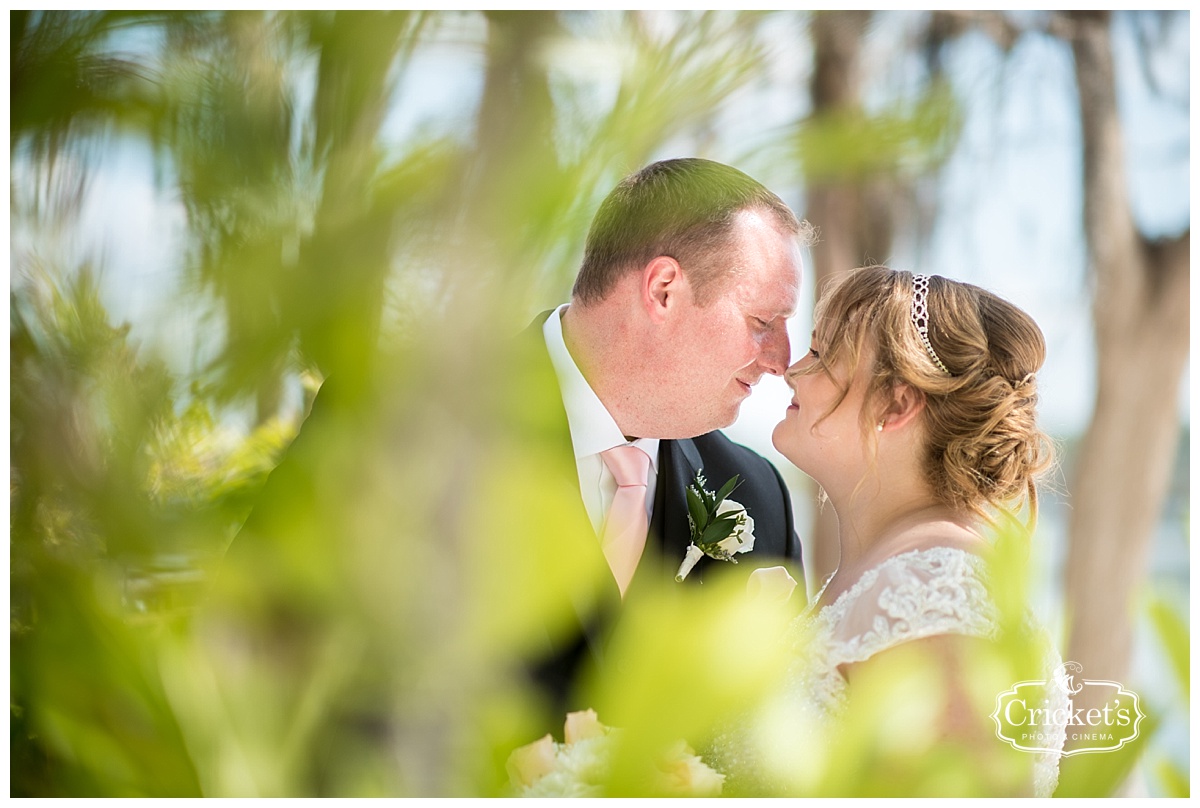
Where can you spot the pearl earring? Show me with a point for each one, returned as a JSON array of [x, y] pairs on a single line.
[[879, 426]]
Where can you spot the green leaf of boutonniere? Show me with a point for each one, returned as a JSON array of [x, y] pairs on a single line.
[[697, 514], [717, 531], [728, 489]]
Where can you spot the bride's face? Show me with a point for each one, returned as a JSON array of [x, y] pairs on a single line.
[[819, 434]]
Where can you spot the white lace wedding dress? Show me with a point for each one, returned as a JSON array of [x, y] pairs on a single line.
[[911, 596]]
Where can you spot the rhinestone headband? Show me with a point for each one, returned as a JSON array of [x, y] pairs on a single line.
[[920, 317]]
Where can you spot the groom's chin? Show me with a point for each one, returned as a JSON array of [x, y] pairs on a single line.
[[681, 430], [727, 418]]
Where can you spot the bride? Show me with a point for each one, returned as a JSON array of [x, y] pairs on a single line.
[[915, 412]]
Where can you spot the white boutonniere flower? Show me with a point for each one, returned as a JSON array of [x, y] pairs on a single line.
[[720, 527]]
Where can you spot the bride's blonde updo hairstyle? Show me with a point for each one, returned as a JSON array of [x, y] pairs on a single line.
[[984, 449]]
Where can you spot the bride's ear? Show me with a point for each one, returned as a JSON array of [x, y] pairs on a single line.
[[906, 403]]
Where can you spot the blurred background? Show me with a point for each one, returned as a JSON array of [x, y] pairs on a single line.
[[213, 212]]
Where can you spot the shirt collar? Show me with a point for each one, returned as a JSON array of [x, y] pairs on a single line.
[[593, 429]]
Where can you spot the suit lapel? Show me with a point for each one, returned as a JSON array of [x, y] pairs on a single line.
[[669, 531]]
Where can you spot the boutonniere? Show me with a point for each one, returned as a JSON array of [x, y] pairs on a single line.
[[720, 527]]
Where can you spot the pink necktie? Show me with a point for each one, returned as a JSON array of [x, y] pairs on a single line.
[[624, 535]]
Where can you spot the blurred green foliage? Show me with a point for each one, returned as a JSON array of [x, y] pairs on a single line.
[[1169, 619], [364, 634], [1100, 775]]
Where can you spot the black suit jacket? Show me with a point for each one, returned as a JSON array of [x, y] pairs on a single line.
[[762, 492]]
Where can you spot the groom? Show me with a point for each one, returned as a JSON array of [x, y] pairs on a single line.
[[690, 273]]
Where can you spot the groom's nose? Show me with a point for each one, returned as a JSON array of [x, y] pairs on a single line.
[[776, 354]]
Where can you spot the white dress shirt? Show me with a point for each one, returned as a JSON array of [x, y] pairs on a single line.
[[593, 429]]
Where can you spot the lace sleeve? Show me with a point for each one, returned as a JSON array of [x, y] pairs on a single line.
[[910, 597]]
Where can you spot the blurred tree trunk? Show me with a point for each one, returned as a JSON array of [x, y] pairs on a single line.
[[1140, 309], [852, 215], [352, 234], [514, 127], [1141, 317]]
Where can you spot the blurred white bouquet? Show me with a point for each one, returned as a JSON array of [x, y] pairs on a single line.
[[580, 765]]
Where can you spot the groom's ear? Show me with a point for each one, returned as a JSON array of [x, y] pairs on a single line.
[[662, 283], [906, 404]]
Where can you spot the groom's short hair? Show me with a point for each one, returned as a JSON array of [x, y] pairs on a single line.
[[682, 208]]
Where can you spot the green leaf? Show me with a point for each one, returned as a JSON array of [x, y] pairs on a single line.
[[1174, 780], [1100, 775], [1172, 630], [718, 531], [696, 509], [728, 488]]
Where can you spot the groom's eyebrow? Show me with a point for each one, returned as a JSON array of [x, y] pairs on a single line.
[[780, 308], [775, 314]]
